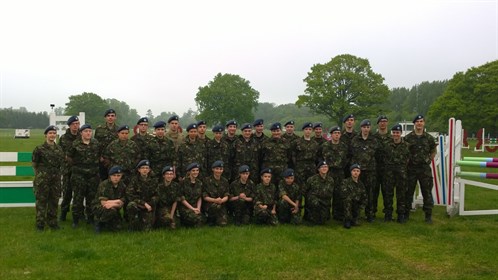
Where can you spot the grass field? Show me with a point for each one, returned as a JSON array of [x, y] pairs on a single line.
[[451, 248]]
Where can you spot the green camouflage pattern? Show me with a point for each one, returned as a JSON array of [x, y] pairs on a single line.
[[304, 155], [241, 209], [318, 192], [141, 190], [354, 198], [284, 209], [216, 213], [189, 152], [162, 153], [191, 193], [265, 195], [107, 191]]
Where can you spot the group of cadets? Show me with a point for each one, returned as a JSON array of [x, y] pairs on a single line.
[[168, 177]]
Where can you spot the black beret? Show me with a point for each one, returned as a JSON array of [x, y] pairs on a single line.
[[265, 170], [143, 119], [354, 166], [318, 124], [50, 127], [217, 163], [243, 168], [397, 127], [320, 164], [418, 117], [192, 166], [218, 128], [115, 169], [382, 118], [201, 122], [288, 172], [85, 126], [173, 118], [246, 126], [335, 128], [72, 119], [350, 116], [191, 126], [109, 111], [231, 122], [306, 125], [123, 127], [143, 162], [167, 168], [365, 122], [160, 124], [276, 126], [289, 122], [258, 122]]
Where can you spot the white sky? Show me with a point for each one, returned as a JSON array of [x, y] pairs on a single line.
[[155, 54]]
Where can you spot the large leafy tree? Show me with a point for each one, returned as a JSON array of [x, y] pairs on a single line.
[[90, 103], [125, 115], [471, 97], [226, 97], [344, 85]]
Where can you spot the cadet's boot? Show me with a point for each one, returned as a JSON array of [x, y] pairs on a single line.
[[63, 216], [98, 227], [90, 220], [370, 219], [347, 224], [75, 222], [407, 216], [401, 219], [388, 217], [428, 218]]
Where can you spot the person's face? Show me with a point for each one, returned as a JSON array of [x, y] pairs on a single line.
[[86, 134], [201, 129], [51, 135], [276, 133], [123, 134], [307, 132], [142, 127], [324, 169], [232, 129], [168, 176], [365, 129], [217, 171], [266, 178], [110, 118], [289, 129], [74, 126], [116, 177], [383, 124], [173, 125], [355, 173], [349, 123], [144, 170], [336, 135], [194, 173], [218, 136], [244, 176], [318, 131], [192, 133], [259, 128], [419, 124], [396, 134], [160, 132], [246, 133], [289, 180]]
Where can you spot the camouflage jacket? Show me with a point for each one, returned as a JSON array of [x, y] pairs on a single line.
[[275, 152], [215, 188], [216, 151], [248, 153], [421, 147], [236, 188], [353, 191], [189, 152], [397, 155], [108, 191], [190, 192], [84, 158], [319, 190], [364, 151], [260, 139], [48, 158], [142, 190], [167, 194], [162, 153], [144, 143], [381, 156], [265, 195], [67, 140], [304, 151], [123, 153], [336, 155], [105, 135], [290, 138], [176, 137], [292, 191]]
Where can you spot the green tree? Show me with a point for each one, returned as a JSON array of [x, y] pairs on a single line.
[[125, 115], [90, 103], [471, 97], [227, 97], [344, 85]]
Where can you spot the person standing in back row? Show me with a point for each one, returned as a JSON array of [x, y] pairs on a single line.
[[105, 134]]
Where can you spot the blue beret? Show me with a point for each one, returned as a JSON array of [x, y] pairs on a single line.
[[307, 125], [143, 162], [418, 117], [115, 169], [50, 127], [335, 128], [265, 170], [218, 128], [350, 116], [288, 172], [144, 119], [201, 122], [109, 111], [354, 166], [72, 119], [276, 126], [192, 166], [258, 122], [382, 118], [289, 122], [173, 118], [231, 122], [397, 127], [217, 163], [320, 164], [85, 126], [243, 168], [160, 124], [191, 126], [318, 124], [365, 122], [167, 168], [123, 127], [246, 126]]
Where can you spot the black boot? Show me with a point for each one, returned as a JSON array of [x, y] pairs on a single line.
[[347, 224], [63, 216], [428, 218], [75, 222], [401, 219], [98, 227], [407, 216], [388, 217]]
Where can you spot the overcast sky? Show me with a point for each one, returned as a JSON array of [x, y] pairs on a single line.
[[156, 54]]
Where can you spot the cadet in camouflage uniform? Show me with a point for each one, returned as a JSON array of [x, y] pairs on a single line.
[[141, 194], [215, 194], [364, 148], [318, 193], [247, 152], [335, 153], [353, 197], [174, 133], [167, 192], [275, 153], [105, 134], [383, 137], [397, 155], [232, 140], [201, 132], [109, 200], [65, 141], [318, 129], [84, 157], [259, 134], [265, 200], [422, 150], [217, 149], [190, 197], [241, 197], [162, 150], [289, 134], [192, 151], [305, 154], [47, 160], [347, 135], [289, 192], [143, 138]]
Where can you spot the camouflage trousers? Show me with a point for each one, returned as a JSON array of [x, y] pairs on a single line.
[[264, 216], [368, 178], [47, 191], [352, 208], [337, 203], [84, 188], [110, 218], [422, 174], [285, 215], [138, 217], [242, 211], [189, 218], [67, 191], [163, 218], [304, 170], [379, 187], [395, 181], [216, 213], [317, 211]]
